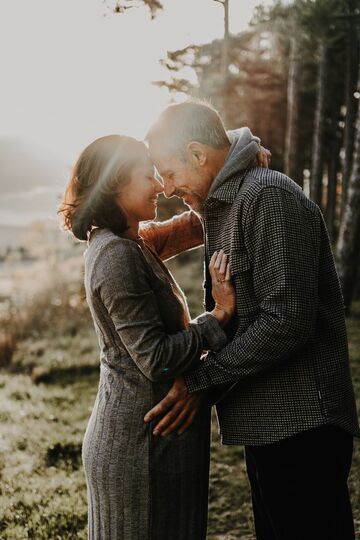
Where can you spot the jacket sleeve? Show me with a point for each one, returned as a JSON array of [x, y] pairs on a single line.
[[122, 284], [280, 246], [173, 236]]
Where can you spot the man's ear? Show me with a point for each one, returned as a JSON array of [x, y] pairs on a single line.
[[196, 153]]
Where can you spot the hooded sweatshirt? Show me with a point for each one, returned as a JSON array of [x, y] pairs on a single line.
[[242, 152]]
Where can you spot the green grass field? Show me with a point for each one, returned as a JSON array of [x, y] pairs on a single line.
[[46, 395]]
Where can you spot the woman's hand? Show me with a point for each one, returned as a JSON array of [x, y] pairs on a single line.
[[223, 290], [263, 157]]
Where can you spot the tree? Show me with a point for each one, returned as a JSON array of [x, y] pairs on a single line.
[[284, 20], [224, 68], [333, 166], [352, 56], [319, 125], [291, 156], [121, 6], [255, 83], [348, 247]]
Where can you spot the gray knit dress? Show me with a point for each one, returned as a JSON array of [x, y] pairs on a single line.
[[140, 487]]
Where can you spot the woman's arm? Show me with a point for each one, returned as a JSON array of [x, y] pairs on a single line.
[[122, 284], [173, 236]]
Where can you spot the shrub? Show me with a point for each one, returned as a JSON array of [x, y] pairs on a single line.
[[7, 348]]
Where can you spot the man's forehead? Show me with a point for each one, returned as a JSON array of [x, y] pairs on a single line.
[[162, 160]]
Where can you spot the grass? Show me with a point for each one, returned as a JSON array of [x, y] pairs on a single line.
[[47, 392], [43, 492]]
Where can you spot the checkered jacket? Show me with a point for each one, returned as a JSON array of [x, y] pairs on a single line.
[[286, 365]]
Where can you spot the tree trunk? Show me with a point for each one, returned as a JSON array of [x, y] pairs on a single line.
[[333, 163], [356, 296], [349, 236], [225, 47], [319, 127], [291, 158], [350, 101], [224, 68]]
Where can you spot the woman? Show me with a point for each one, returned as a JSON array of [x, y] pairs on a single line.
[[140, 487]]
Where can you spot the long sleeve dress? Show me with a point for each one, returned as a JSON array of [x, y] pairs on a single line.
[[141, 487]]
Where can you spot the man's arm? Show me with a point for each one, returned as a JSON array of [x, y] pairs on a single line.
[[173, 236], [279, 237]]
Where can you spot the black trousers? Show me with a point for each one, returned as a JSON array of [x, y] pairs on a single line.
[[299, 486]]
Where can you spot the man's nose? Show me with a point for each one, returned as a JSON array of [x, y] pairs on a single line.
[[169, 189], [159, 188]]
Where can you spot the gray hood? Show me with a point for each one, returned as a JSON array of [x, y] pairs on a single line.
[[243, 150]]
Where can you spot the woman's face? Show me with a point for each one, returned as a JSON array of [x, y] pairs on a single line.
[[138, 197]]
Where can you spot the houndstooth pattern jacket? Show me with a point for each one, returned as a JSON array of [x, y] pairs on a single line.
[[286, 365]]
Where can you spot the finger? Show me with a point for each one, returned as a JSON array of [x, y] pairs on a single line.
[[188, 422], [268, 156], [177, 422], [211, 265], [160, 408], [218, 260], [212, 261], [213, 258], [168, 418], [228, 272], [223, 264], [260, 158]]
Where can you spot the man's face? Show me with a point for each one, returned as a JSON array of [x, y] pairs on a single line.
[[181, 178]]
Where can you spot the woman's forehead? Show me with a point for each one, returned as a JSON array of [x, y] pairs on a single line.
[[145, 162]]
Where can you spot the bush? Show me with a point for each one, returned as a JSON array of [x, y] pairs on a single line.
[[7, 348], [57, 311], [64, 455]]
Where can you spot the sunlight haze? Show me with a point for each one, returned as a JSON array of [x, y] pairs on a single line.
[[73, 71]]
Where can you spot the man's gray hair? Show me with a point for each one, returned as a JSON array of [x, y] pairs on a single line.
[[181, 123]]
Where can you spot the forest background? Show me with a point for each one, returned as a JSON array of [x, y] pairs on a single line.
[[289, 70]]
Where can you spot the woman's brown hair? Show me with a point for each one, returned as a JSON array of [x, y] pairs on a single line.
[[102, 168]]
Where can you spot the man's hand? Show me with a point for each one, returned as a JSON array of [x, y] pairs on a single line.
[[179, 407]]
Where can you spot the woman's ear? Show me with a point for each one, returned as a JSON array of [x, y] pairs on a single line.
[[196, 153]]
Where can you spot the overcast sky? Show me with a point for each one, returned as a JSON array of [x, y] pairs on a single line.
[[72, 71]]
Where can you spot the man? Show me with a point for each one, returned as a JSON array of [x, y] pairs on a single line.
[[289, 395]]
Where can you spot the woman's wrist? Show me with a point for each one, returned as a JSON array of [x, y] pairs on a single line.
[[221, 315]]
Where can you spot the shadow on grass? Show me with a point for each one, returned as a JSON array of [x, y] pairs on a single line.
[[65, 455]]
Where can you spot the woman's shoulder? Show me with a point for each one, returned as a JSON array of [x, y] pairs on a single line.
[[108, 253], [104, 240]]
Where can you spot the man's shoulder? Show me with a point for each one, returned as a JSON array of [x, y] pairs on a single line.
[[259, 179]]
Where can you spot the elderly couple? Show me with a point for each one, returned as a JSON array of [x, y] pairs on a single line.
[[270, 350]]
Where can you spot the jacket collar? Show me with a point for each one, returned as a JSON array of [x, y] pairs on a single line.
[[227, 191]]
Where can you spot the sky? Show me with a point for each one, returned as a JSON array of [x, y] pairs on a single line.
[[73, 71]]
